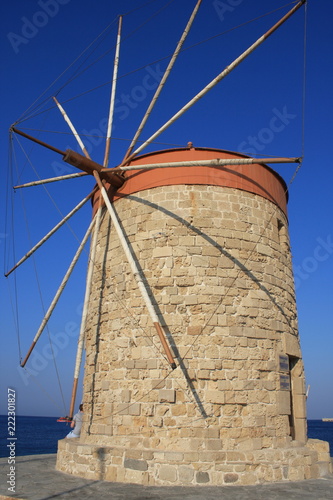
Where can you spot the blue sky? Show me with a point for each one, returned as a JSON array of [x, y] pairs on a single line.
[[41, 39]]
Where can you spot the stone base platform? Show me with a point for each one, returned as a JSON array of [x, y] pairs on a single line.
[[34, 485], [211, 468]]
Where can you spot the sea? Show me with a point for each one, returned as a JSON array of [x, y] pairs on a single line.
[[39, 435]]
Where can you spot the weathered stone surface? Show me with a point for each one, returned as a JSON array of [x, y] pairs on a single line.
[[167, 396], [230, 478], [202, 477], [216, 262], [167, 473], [185, 474], [132, 463]]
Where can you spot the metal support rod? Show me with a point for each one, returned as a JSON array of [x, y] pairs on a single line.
[[71, 126], [50, 233], [80, 343], [134, 268], [59, 292], [216, 80], [218, 162], [37, 141], [50, 179], [163, 80], [113, 94]]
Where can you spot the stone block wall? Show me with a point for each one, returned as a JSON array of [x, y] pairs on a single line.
[[216, 262]]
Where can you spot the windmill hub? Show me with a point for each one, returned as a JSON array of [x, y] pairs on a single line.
[[89, 166]]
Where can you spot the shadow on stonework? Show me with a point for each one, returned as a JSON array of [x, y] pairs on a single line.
[[101, 455], [223, 251], [97, 335], [168, 333]]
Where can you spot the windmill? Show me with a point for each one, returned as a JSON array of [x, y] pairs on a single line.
[[125, 407]]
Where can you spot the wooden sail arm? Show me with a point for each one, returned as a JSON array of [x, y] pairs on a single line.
[[71, 126], [59, 292], [81, 339], [51, 179], [73, 397], [162, 82], [113, 96], [216, 80], [50, 233], [218, 162], [135, 271]]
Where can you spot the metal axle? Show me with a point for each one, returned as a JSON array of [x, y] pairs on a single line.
[[79, 161]]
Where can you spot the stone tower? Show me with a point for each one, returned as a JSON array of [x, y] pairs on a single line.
[[212, 245]]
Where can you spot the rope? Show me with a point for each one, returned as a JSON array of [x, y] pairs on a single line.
[[16, 316], [298, 167], [34, 379], [138, 8], [244, 264], [123, 302], [15, 309], [150, 340], [130, 313], [76, 73], [93, 89], [56, 367], [124, 38], [41, 295], [61, 74], [9, 195], [103, 136], [14, 306], [48, 192]]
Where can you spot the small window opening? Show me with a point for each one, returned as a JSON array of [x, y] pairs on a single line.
[[283, 235]]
